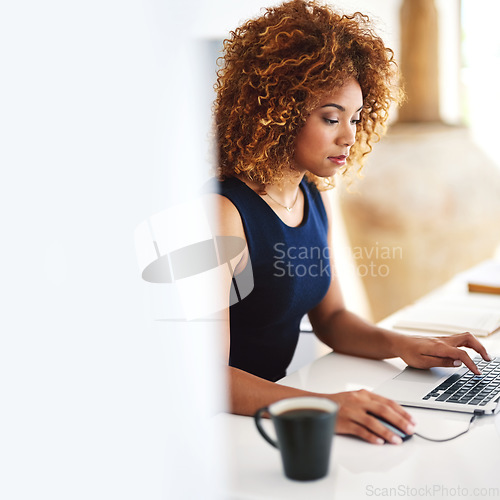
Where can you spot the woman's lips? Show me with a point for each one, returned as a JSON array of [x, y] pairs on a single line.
[[338, 160]]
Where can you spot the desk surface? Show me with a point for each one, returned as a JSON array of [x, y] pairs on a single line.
[[467, 467]]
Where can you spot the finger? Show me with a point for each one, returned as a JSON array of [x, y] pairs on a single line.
[[443, 351], [400, 419], [370, 401], [468, 340], [348, 423], [433, 361], [354, 417], [390, 411], [359, 430], [384, 407], [378, 406], [376, 426], [456, 359], [462, 356]]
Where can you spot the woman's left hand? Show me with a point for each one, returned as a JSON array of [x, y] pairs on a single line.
[[426, 352]]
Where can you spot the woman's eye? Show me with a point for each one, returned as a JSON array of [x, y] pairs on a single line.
[[327, 120], [355, 122]]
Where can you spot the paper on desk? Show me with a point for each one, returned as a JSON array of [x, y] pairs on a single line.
[[450, 317]]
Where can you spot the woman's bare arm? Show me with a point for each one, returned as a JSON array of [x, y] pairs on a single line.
[[347, 333]]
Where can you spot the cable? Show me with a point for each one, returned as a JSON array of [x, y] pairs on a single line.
[[476, 414]]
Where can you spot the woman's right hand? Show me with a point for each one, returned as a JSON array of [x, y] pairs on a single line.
[[353, 417]]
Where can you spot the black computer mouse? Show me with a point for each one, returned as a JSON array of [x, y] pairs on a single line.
[[403, 435]]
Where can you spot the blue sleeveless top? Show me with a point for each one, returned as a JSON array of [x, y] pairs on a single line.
[[291, 274]]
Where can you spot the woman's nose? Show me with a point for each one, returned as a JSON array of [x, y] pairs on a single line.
[[347, 136]]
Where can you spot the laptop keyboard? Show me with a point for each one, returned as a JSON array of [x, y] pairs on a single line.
[[470, 389]]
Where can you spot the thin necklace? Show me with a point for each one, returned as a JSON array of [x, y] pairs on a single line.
[[284, 206]]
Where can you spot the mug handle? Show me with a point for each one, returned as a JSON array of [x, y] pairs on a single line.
[[258, 417]]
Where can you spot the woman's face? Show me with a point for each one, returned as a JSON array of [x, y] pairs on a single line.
[[323, 143]]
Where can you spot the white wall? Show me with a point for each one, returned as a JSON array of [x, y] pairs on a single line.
[[98, 132], [482, 72], [218, 17]]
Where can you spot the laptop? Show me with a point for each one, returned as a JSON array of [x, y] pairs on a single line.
[[454, 389]]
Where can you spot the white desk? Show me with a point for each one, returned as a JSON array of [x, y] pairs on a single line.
[[467, 467]]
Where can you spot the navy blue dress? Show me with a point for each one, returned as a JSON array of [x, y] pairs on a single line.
[[291, 273]]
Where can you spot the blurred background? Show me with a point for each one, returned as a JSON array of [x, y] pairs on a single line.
[[105, 121]]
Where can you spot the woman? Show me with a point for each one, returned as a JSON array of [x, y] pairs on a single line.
[[301, 95]]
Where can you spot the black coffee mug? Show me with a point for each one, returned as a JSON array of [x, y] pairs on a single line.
[[304, 430]]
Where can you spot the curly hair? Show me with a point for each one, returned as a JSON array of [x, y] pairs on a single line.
[[274, 72]]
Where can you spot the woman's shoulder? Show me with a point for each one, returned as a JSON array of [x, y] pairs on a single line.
[[225, 219]]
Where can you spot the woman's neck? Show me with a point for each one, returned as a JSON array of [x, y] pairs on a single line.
[[283, 194], [286, 187]]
